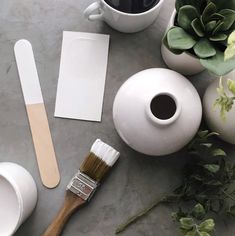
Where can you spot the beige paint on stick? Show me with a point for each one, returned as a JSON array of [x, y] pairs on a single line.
[[38, 121]]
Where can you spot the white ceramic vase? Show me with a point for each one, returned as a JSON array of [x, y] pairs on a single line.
[[18, 197], [157, 111], [183, 63], [226, 128]]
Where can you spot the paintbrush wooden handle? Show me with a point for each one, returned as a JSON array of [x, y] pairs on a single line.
[[71, 203]]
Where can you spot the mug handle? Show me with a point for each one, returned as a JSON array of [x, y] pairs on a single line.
[[93, 7]]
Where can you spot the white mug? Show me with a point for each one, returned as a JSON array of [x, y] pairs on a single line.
[[18, 197], [121, 21]]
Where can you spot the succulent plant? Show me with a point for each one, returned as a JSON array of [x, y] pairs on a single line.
[[202, 28]]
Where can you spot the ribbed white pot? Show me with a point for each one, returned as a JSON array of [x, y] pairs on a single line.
[[157, 112], [226, 128], [184, 63]]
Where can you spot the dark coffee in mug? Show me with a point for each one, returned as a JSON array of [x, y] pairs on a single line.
[[132, 6]]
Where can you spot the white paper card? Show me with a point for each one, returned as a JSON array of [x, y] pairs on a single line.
[[81, 84]]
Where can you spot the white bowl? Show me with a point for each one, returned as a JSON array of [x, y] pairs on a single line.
[[18, 197]]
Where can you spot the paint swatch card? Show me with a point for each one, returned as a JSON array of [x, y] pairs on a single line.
[[81, 84]]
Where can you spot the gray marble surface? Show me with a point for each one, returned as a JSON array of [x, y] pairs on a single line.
[[136, 180]]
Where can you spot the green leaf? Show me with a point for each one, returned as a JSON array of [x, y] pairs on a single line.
[[199, 211], [203, 133], [210, 25], [216, 17], [229, 18], [229, 52], [231, 38], [203, 234], [197, 27], [212, 134], [218, 152], [186, 15], [218, 27], [207, 226], [191, 233], [203, 49], [195, 3], [208, 145], [175, 51], [217, 65], [221, 4], [218, 37], [231, 86], [213, 168], [209, 10], [186, 223], [177, 38]]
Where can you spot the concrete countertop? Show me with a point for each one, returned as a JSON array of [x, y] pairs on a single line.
[[137, 179]]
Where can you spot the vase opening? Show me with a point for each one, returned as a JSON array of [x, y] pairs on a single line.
[[163, 106]]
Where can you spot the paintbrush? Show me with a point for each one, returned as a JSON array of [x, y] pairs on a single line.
[[83, 185]]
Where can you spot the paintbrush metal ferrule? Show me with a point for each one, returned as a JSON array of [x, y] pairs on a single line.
[[83, 186]]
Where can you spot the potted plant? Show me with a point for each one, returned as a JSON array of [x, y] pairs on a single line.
[[197, 36], [221, 94]]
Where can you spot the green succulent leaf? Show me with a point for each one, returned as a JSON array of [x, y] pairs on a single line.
[[197, 27], [229, 18], [186, 223], [177, 38], [207, 226], [222, 4], [218, 27], [175, 51], [216, 16], [186, 15], [204, 49], [209, 10], [213, 168], [217, 65], [210, 25], [196, 3], [218, 37]]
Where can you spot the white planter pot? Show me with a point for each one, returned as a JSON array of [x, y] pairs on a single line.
[[184, 63], [18, 197], [157, 111], [226, 128]]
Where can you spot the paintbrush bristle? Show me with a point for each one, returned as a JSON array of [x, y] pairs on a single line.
[[101, 158]]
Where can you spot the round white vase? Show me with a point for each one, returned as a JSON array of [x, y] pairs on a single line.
[[226, 128], [183, 63], [157, 112]]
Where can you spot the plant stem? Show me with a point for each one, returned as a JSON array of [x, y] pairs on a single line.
[[142, 213]]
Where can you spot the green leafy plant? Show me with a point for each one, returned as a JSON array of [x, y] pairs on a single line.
[[208, 180], [193, 223], [230, 50], [202, 28], [226, 99]]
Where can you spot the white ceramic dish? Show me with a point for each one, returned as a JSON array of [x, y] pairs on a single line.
[[18, 197], [157, 111]]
